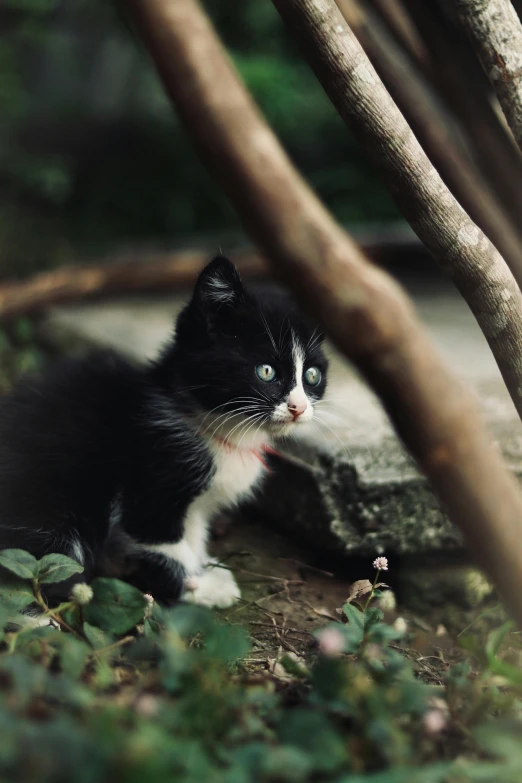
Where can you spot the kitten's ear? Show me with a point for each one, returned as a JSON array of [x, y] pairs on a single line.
[[219, 286]]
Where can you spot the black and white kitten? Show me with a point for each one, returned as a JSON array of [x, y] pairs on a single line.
[[124, 467]]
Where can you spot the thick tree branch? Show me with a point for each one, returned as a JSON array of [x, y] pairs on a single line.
[[496, 33], [456, 243], [365, 312], [415, 98]]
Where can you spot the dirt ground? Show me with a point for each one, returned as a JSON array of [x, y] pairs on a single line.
[[285, 599]]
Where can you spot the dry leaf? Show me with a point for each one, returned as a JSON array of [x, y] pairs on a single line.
[[360, 588]]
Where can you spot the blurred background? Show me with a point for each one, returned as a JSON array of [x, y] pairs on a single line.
[[92, 158]]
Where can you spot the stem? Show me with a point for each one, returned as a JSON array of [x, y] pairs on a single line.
[[115, 645], [371, 592], [52, 613]]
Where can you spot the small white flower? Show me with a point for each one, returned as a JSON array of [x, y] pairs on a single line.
[[331, 642], [387, 601], [400, 625], [147, 705], [81, 594], [380, 563], [150, 605], [434, 721]]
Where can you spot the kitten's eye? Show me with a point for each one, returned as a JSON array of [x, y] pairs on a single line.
[[265, 372], [313, 376]]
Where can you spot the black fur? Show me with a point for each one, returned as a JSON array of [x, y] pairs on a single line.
[[98, 456]]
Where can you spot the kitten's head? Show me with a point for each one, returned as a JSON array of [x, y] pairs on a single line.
[[251, 362]]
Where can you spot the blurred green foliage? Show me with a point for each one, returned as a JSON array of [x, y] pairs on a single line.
[[91, 156], [128, 691], [20, 352]]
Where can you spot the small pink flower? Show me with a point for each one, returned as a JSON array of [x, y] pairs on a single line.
[[434, 721], [380, 563], [147, 705], [331, 642]]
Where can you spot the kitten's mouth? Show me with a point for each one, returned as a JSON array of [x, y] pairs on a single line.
[[280, 428]]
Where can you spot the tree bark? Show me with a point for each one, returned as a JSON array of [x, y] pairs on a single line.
[[456, 243], [160, 273], [398, 20], [461, 82], [496, 33], [365, 313], [415, 98]]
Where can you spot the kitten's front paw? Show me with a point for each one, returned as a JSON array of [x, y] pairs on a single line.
[[215, 588]]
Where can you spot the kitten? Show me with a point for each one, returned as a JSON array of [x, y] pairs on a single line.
[[123, 468]]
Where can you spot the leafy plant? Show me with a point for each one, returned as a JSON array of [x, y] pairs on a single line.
[[130, 691]]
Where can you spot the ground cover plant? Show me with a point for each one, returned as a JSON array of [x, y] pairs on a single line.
[[118, 688]]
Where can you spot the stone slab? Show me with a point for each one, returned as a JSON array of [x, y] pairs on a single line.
[[349, 487]]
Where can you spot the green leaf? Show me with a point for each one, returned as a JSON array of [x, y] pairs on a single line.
[[505, 669], [496, 637], [96, 637], [314, 734], [15, 594], [116, 606], [372, 616], [73, 655], [19, 562], [57, 568], [355, 630], [227, 643]]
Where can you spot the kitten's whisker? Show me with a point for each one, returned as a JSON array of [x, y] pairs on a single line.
[[264, 396], [229, 402], [268, 331], [343, 445], [229, 416], [227, 438], [262, 417], [308, 344]]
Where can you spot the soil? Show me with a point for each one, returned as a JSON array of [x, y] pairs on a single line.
[[286, 597]]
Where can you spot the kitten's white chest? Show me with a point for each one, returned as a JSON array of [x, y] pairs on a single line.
[[237, 474]]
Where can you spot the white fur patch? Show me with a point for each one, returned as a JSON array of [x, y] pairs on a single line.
[[238, 472], [216, 587], [77, 552], [219, 290], [297, 396], [181, 552]]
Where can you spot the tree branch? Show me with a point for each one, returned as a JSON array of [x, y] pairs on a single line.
[[365, 312], [463, 85], [456, 243], [415, 98], [163, 273], [158, 273], [496, 33]]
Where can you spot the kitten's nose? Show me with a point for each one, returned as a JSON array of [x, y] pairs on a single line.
[[296, 408]]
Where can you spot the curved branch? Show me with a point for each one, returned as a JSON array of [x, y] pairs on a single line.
[[366, 314], [456, 243], [496, 34]]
